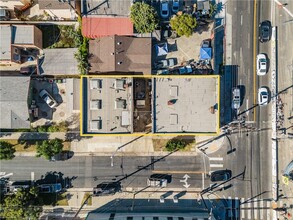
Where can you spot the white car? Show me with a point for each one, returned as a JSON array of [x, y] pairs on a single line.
[[263, 96], [175, 6], [164, 9], [236, 101], [261, 64], [48, 98]]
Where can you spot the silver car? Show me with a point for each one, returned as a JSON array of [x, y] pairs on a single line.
[[48, 98], [236, 98]]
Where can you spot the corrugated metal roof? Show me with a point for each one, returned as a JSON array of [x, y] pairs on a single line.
[[5, 40], [93, 27]]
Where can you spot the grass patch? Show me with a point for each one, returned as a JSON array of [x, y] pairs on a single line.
[[54, 199], [58, 36], [89, 201], [23, 146], [30, 145], [160, 144]]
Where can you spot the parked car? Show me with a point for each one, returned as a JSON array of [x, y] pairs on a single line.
[[50, 188], [64, 155], [261, 65], [163, 72], [265, 28], [166, 63], [206, 43], [107, 188], [164, 9], [185, 69], [175, 6], [236, 98], [48, 98], [221, 175], [32, 69], [263, 96]]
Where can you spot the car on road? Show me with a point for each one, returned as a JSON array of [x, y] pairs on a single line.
[[50, 188], [107, 188], [265, 28], [64, 155], [261, 64], [263, 96], [236, 98], [175, 6], [221, 175], [164, 9], [48, 98]]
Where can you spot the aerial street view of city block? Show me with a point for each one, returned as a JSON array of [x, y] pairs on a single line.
[[146, 109]]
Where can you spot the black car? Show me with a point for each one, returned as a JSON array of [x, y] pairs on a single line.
[[265, 28], [107, 188], [221, 175]]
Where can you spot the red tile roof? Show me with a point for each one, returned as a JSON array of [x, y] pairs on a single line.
[[93, 27]]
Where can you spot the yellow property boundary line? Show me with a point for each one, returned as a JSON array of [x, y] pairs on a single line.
[[150, 77]]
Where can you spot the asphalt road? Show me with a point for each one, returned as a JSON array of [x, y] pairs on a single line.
[[253, 147], [86, 172]]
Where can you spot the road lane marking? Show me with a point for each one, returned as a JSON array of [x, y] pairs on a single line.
[[216, 158], [261, 209], [216, 165], [178, 172], [254, 60], [32, 176], [242, 210]]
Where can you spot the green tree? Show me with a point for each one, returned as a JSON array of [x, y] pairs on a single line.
[[175, 145], [144, 17], [24, 204], [6, 151], [49, 148], [183, 24]]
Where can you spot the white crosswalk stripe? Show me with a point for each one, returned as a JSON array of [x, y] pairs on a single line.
[[216, 162], [254, 209]]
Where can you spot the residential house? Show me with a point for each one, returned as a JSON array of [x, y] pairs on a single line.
[[19, 43], [15, 94], [120, 55]]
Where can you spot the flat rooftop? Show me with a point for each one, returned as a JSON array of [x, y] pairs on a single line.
[[186, 104], [107, 105]]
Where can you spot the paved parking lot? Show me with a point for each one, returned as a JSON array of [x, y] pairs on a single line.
[[61, 92]]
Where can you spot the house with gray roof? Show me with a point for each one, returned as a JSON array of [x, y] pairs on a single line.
[[19, 43], [14, 96]]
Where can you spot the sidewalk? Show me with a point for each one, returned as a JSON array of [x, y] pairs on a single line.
[[118, 145]]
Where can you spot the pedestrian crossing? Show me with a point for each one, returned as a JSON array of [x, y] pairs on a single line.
[[216, 163], [249, 209]]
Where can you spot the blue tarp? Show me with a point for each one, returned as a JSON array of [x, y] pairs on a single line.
[[162, 49], [205, 53]]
